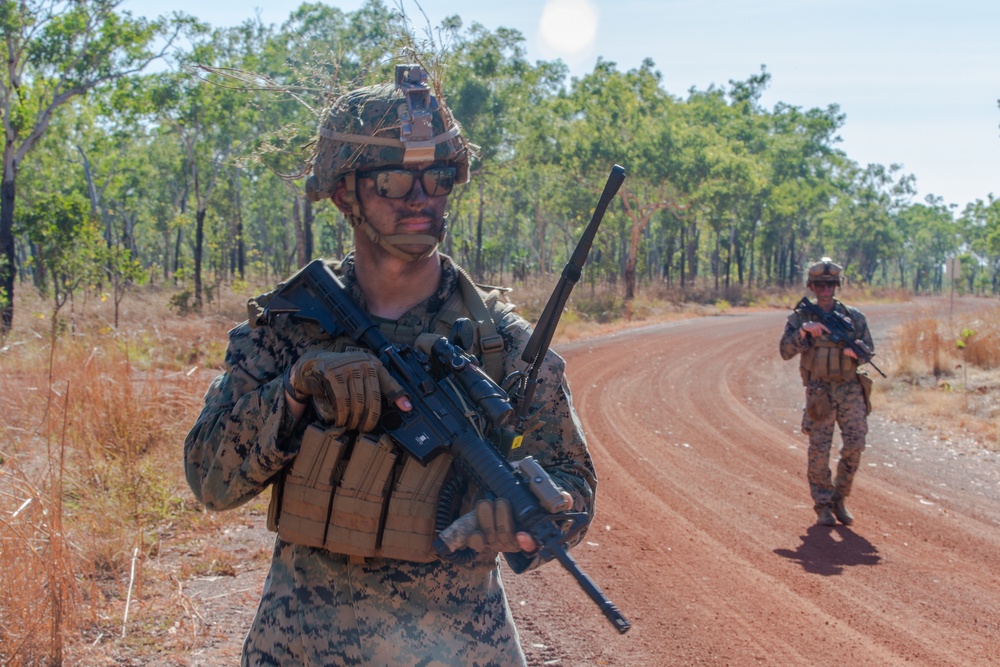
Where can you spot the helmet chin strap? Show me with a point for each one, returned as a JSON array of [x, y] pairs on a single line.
[[390, 242]]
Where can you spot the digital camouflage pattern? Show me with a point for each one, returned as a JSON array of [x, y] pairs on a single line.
[[829, 402], [847, 410], [318, 608]]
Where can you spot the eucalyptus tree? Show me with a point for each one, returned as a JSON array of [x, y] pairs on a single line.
[[629, 119], [733, 169], [94, 152], [206, 120], [57, 50], [106, 147], [501, 101], [981, 220], [68, 242], [803, 162], [286, 78], [861, 227], [930, 237]]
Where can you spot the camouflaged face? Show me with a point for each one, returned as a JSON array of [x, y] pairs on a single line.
[[373, 111], [319, 609]]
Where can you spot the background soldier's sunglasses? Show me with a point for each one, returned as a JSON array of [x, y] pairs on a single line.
[[396, 183]]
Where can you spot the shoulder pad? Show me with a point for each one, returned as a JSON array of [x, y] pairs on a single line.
[[496, 300]]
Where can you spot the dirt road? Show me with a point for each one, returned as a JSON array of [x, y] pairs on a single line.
[[704, 535], [705, 538]]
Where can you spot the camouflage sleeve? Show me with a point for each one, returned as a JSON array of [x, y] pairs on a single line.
[[792, 342], [861, 327], [241, 439], [553, 434]]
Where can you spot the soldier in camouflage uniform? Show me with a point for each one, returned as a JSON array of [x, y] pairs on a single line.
[[836, 393], [387, 156]]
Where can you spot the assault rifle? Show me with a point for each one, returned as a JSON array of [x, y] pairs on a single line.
[[439, 386], [841, 330]]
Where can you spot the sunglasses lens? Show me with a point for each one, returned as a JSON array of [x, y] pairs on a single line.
[[438, 181], [397, 183], [393, 183]]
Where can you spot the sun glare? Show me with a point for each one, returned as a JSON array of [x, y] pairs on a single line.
[[568, 27]]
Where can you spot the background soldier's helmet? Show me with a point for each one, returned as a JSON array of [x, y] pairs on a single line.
[[385, 124], [824, 271]]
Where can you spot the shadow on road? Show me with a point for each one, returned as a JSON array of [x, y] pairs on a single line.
[[827, 551]]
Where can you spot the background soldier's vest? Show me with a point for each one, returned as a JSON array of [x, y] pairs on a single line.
[[361, 496]]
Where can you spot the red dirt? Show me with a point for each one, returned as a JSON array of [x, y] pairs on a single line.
[[704, 536]]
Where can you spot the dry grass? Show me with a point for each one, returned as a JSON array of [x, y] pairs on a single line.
[[945, 375], [91, 425]]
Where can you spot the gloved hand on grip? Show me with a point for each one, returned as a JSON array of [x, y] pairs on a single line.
[[489, 528], [346, 387]]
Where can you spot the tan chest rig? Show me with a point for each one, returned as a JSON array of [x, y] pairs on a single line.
[[826, 360], [360, 495]]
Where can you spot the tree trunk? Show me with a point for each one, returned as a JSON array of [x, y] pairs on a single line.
[[241, 256], [199, 244], [300, 239], [307, 229], [479, 231], [682, 269], [692, 253], [8, 267], [95, 198], [633, 255]]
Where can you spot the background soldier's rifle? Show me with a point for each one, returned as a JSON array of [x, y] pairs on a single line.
[[438, 421], [841, 330]]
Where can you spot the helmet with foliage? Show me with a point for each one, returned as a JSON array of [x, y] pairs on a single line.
[[382, 125], [824, 271]]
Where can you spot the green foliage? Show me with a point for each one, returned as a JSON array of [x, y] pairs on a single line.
[[964, 337], [181, 302], [67, 244], [195, 176]]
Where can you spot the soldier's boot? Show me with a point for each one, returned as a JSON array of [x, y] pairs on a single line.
[[841, 511], [824, 515]]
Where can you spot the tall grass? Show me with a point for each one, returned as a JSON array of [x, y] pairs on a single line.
[[948, 368], [936, 345], [92, 423]]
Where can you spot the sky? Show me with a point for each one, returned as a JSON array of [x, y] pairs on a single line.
[[918, 80]]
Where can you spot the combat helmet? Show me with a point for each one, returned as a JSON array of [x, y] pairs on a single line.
[[382, 125], [824, 271]]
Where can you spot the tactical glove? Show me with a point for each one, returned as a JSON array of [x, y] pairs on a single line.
[[346, 387], [489, 528]]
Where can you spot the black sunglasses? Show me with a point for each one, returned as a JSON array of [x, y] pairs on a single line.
[[396, 183]]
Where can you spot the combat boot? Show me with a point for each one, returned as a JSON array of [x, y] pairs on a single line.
[[841, 511], [824, 515]]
